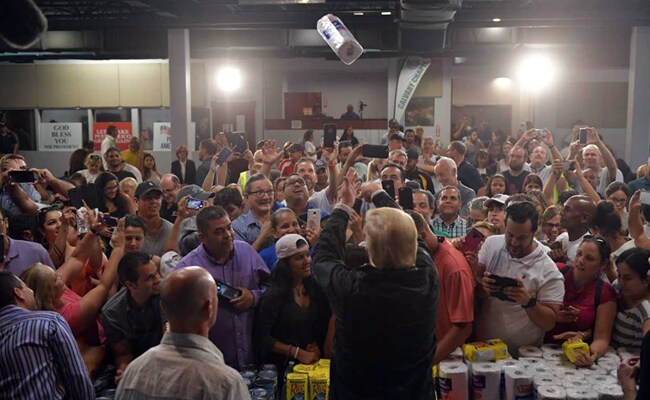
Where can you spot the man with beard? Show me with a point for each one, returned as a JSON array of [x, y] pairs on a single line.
[[254, 227], [326, 198], [119, 168], [516, 174], [149, 197], [519, 314], [593, 154], [207, 150], [237, 264], [296, 195]]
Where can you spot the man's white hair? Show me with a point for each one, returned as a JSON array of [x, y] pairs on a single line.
[[592, 146], [450, 163]]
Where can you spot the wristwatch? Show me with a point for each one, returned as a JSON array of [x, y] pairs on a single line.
[[531, 303]]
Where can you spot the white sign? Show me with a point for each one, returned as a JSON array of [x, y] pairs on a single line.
[[409, 77], [162, 136], [60, 136]]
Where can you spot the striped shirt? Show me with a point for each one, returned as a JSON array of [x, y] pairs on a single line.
[[39, 358], [455, 229], [628, 328]]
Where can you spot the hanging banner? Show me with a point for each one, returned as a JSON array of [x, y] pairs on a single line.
[[124, 133], [162, 136], [412, 71], [61, 136]]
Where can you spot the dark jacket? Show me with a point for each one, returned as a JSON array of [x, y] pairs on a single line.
[[385, 320], [202, 170], [190, 172]]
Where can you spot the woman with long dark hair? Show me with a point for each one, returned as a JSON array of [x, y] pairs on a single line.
[[348, 134], [111, 200], [149, 169], [294, 312]]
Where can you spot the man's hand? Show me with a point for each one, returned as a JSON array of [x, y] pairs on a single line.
[[118, 239], [489, 285], [44, 176], [592, 136], [568, 315], [627, 371], [266, 230], [349, 188], [270, 153], [244, 301], [331, 154], [548, 138], [312, 234], [368, 188], [573, 149], [518, 293], [635, 200], [557, 167], [529, 135], [307, 357]]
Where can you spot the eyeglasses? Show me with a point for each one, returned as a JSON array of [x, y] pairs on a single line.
[[291, 182], [551, 226], [262, 193], [618, 201]]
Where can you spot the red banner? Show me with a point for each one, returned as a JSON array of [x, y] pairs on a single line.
[[124, 133]]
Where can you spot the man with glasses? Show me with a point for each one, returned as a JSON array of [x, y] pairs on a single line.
[[132, 318], [520, 310], [254, 227], [236, 264], [170, 185]]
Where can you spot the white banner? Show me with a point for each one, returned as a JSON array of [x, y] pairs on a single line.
[[60, 136], [412, 71], [162, 136]]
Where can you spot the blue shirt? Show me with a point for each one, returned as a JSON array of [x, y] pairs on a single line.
[[641, 183], [247, 227], [23, 254], [233, 333], [39, 357]]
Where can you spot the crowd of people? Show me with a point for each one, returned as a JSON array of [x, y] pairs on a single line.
[[152, 285]]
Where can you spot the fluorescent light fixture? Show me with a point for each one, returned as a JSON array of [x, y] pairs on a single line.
[[386, 13], [358, 13], [496, 19], [229, 79], [536, 72], [503, 82]]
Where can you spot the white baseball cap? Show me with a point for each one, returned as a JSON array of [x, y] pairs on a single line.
[[289, 245]]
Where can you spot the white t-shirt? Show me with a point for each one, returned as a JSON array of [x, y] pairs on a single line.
[[570, 247], [136, 172], [320, 200], [90, 178], [310, 150], [507, 320]]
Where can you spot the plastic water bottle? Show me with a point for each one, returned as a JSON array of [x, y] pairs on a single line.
[[82, 225], [339, 38]]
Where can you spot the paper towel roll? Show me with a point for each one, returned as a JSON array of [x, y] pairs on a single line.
[[608, 365], [580, 394], [531, 361], [540, 370], [552, 356], [614, 373], [486, 381], [509, 363], [568, 374], [545, 380], [551, 393], [610, 356], [609, 392], [626, 352], [594, 370], [453, 380], [602, 380], [518, 383], [583, 384], [529, 351]]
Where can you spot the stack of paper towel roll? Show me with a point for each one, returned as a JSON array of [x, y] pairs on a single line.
[[551, 393], [453, 380], [530, 351], [518, 383], [486, 381]]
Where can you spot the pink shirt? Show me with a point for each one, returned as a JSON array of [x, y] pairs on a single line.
[[71, 311]]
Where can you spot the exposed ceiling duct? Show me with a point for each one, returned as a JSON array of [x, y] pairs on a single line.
[[424, 24]]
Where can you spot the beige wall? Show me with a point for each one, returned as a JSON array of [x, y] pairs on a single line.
[[64, 85]]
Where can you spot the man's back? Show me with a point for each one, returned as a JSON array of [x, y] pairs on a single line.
[[39, 358], [155, 374]]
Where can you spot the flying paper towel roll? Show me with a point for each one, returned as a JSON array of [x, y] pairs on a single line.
[[609, 392], [551, 393], [486, 381], [453, 380], [602, 380], [568, 374], [545, 380], [518, 383], [530, 351], [581, 394]]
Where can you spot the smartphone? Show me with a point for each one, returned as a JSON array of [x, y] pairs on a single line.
[[239, 142], [473, 239], [228, 291], [375, 151], [109, 221], [357, 206], [223, 155], [87, 193], [313, 218], [22, 176], [504, 281], [329, 135], [406, 198], [582, 136], [570, 165], [645, 198], [194, 204], [389, 187]]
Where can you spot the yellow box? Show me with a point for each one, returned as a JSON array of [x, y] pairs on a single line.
[[319, 384], [303, 368], [297, 387], [323, 362], [571, 347], [491, 350]]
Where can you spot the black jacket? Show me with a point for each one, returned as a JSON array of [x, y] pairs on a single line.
[[385, 320], [190, 172]]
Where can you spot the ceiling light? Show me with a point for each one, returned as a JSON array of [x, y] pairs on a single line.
[[358, 13], [229, 79], [496, 19], [536, 72], [503, 82], [386, 13]]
